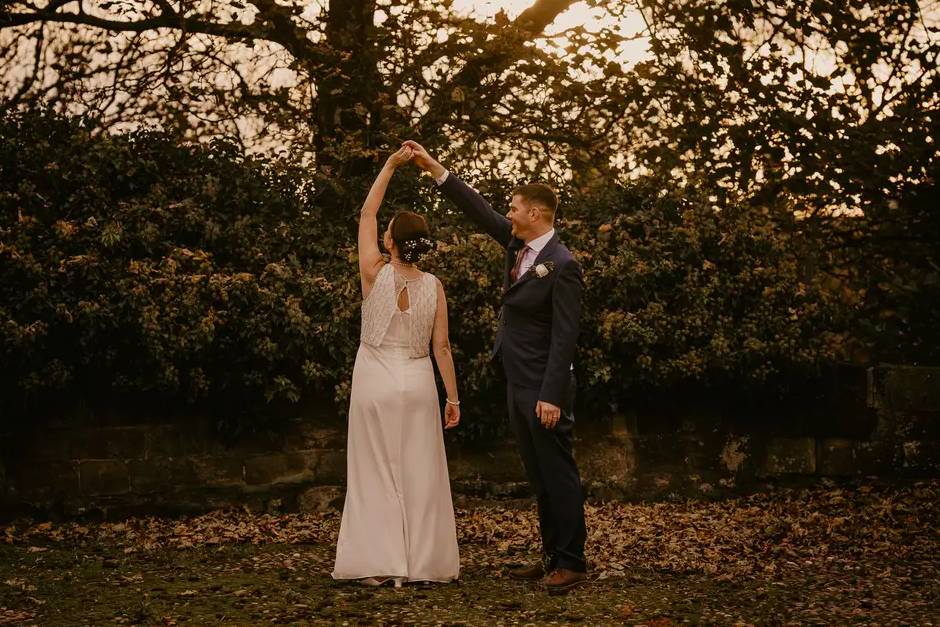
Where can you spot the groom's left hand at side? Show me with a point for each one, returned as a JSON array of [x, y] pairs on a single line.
[[548, 414]]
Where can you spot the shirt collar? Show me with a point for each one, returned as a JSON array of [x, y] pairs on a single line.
[[541, 241]]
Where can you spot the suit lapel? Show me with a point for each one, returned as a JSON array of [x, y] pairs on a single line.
[[543, 255]]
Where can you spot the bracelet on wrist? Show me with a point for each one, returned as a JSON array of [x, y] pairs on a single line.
[[454, 403]]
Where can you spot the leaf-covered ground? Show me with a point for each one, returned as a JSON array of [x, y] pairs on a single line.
[[866, 554]]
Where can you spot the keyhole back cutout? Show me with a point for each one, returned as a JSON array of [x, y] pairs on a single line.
[[403, 301]]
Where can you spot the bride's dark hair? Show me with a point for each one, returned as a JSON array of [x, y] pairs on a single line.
[[411, 235]]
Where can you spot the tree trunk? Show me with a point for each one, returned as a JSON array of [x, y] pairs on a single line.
[[346, 109]]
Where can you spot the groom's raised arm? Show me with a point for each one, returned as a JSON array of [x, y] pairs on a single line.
[[475, 207], [467, 199]]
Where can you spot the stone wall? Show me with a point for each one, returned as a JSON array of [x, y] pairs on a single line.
[[112, 471]]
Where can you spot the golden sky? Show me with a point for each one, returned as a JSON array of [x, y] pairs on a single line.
[[578, 14]]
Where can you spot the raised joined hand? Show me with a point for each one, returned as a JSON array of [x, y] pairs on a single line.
[[422, 159], [400, 157]]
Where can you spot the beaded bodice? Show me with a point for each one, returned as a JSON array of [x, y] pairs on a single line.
[[382, 304]]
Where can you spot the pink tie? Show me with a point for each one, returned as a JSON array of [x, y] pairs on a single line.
[[514, 275]]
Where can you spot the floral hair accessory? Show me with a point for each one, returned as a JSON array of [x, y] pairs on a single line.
[[416, 247], [414, 243]]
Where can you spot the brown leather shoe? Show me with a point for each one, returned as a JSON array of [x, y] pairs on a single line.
[[532, 572], [561, 580]]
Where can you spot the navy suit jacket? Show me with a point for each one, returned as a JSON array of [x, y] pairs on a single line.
[[539, 318]]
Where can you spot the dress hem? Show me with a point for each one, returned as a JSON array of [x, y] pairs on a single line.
[[405, 577]]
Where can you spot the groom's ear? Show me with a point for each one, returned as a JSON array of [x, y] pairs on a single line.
[[545, 213]]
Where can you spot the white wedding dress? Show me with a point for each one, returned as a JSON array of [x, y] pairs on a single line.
[[398, 517]]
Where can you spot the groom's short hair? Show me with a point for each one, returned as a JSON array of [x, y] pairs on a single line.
[[539, 194]]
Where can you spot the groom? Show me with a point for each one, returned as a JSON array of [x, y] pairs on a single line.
[[536, 340]]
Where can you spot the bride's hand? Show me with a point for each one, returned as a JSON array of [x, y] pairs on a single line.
[[451, 416], [400, 157]]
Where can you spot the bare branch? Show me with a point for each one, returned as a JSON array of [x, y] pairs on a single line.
[[279, 28], [497, 57], [29, 81]]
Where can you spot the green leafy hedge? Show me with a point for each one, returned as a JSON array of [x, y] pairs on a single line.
[[133, 265], [139, 268]]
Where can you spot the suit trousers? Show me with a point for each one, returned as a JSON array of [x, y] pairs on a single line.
[[553, 475]]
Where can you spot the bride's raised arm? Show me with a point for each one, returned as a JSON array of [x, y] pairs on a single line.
[[370, 257]]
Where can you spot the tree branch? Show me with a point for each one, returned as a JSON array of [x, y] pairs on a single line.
[[164, 20], [283, 31], [280, 30], [497, 57], [28, 81]]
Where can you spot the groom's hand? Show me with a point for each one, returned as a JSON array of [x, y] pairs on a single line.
[[548, 414], [423, 160]]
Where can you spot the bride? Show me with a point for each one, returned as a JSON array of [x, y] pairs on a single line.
[[398, 518]]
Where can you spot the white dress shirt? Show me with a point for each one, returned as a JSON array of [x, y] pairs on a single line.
[[533, 250]]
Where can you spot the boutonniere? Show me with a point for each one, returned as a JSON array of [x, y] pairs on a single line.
[[544, 269]]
